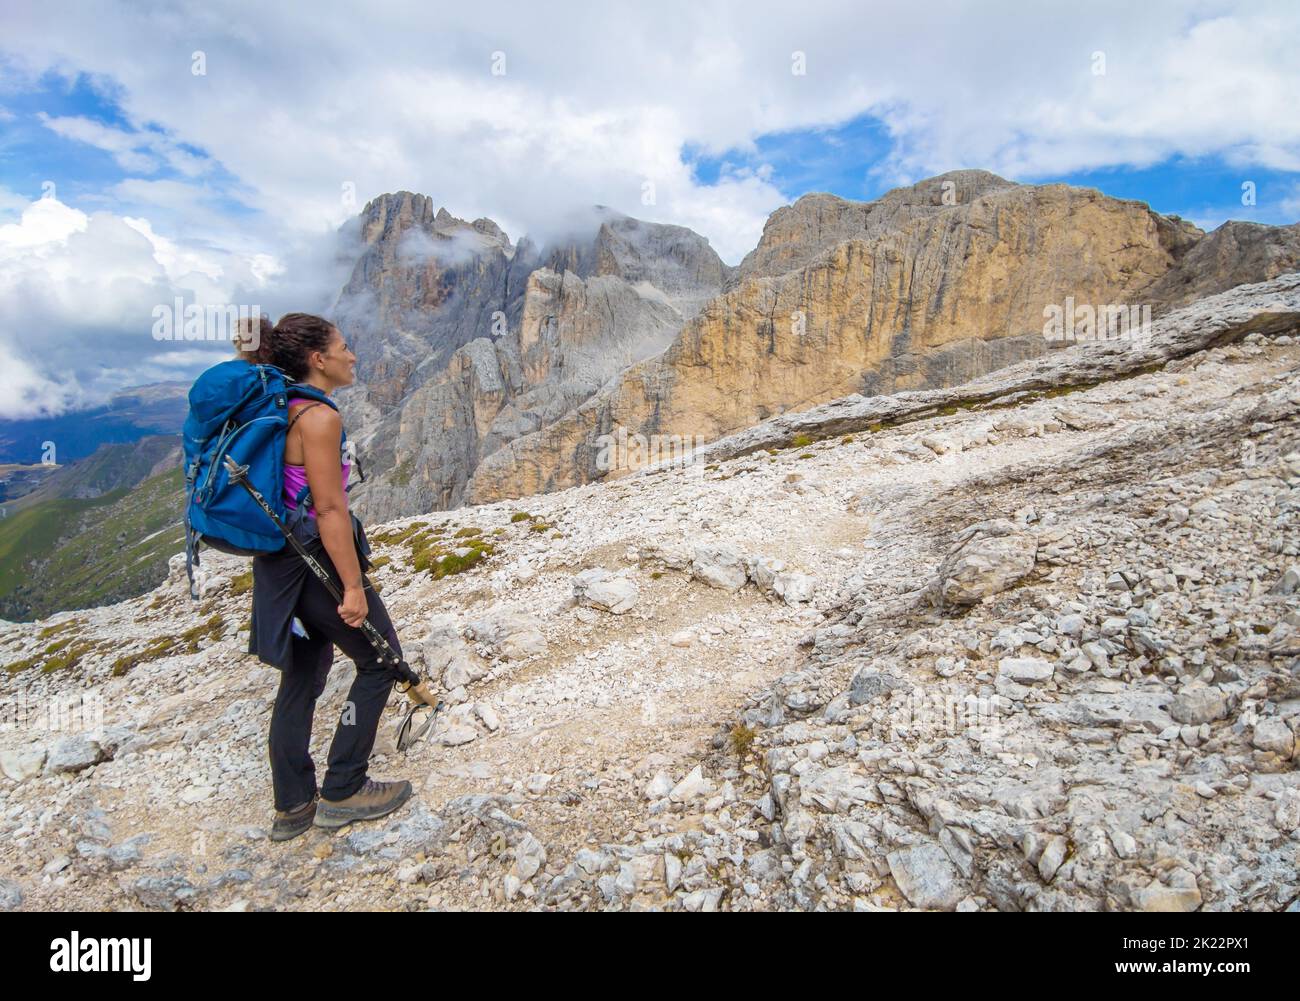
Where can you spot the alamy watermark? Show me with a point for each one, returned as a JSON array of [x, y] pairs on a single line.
[[75, 954], [76, 712], [239, 324], [1078, 324], [922, 714], [623, 452]]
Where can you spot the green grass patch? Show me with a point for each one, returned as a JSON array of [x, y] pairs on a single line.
[[167, 646], [54, 630], [69, 656], [64, 653], [156, 649], [189, 640], [397, 535], [441, 559], [23, 665]]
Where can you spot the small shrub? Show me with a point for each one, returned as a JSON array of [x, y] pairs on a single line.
[[741, 739], [519, 516], [801, 441], [242, 584]]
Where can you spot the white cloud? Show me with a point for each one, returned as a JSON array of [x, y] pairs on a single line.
[[77, 295], [46, 223], [140, 152]]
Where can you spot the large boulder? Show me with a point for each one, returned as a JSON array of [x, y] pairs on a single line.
[[926, 877], [989, 558], [598, 588], [74, 754], [719, 565]]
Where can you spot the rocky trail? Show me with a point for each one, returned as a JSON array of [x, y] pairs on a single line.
[[1043, 654]]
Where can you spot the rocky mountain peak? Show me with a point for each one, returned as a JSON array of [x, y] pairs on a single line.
[[390, 216]]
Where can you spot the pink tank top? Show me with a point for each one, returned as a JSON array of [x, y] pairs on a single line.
[[295, 478]]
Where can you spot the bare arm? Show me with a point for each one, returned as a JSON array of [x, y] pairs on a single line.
[[322, 435]]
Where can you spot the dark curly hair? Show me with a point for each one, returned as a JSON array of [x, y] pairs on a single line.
[[285, 345]]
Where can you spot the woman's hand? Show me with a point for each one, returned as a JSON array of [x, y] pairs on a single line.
[[354, 608]]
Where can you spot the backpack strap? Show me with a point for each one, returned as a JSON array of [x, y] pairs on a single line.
[[299, 413]]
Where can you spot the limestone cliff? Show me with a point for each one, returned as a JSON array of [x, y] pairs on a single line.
[[929, 286]]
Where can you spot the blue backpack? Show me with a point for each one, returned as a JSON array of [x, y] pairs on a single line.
[[240, 410]]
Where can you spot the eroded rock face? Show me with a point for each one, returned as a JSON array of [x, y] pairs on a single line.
[[424, 284], [466, 343]]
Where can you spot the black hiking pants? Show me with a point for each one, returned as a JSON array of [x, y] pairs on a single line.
[[293, 774]]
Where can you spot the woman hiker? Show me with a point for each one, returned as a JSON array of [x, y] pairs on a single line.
[[296, 623]]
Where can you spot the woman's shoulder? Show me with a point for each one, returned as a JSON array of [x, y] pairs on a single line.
[[315, 414]]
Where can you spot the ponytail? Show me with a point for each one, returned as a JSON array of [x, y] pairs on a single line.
[[285, 345]]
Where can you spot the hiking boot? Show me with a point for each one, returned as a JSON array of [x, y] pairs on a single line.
[[373, 799], [290, 823]]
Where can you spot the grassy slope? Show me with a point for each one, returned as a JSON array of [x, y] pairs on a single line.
[[68, 553]]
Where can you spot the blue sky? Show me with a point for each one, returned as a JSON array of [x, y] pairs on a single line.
[[84, 174], [224, 179]]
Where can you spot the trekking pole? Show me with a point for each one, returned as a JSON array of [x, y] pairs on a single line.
[[416, 690]]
